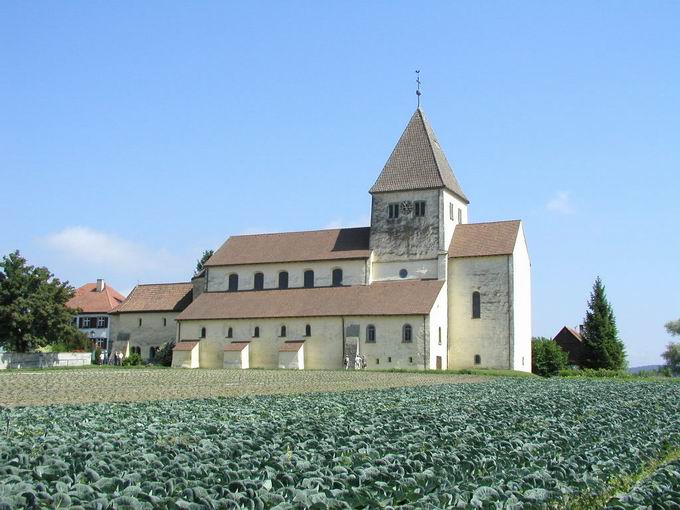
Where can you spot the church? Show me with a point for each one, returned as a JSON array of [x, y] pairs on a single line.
[[420, 288]]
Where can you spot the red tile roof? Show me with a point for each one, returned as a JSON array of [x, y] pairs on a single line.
[[484, 239], [157, 297], [292, 346], [184, 346], [89, 300], [343, 243], [236, 346], [412, 297]]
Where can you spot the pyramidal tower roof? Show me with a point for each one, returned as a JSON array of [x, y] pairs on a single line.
[[417, 162]]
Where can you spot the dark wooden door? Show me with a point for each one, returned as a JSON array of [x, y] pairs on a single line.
[[439, 362]]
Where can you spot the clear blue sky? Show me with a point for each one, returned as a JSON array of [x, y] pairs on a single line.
[[133, 135]]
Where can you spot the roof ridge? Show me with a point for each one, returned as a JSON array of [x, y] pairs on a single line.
[[429, 143], [168, 283], [490, 222], [300, 231]]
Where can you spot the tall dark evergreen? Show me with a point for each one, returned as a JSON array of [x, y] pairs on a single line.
[[33, 310], [603, 348], [204, 258]]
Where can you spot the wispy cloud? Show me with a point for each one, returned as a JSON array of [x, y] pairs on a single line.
[[363, 221], [560, 203], [107, 251]]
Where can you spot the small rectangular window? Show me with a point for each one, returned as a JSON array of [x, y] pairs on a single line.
[[393, 211], [139, 323], [420, 208], [451, 212], [102, 322], [460, 216], [440, 335], [389, 359], [377, 361], [410, 360], [165, 322]]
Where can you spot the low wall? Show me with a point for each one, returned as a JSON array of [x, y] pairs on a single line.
[[44, 359]]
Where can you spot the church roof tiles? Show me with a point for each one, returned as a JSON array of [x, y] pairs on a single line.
[[417, 162], [484, 239], [157, 297], [413, 297], [339, 243]]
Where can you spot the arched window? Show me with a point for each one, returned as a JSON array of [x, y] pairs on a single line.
[[230, 332], [476, 305], [478, 359], [259, 281], [308, 330], [152, 352], [283, 331], [337, 277], [309, 279], [370, 333], [283, 280], [203, 332], [256, 332], [407, 333], [233, 282]]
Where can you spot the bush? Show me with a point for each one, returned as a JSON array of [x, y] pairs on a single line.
[[164, 354], [547, 358], [595, 372], [133, 359]]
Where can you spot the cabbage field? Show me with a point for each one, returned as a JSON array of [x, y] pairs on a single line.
[[505, 443]]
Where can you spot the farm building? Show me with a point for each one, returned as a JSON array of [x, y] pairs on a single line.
[[571, 342], [421, 287]]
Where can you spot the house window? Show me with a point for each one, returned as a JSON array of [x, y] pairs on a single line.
[[102, 322], [256, 332], [393, 211], [410, 360], [230, 333], [420, 208], [451, 212], [476, 305], [259, 281], [139, 323], [370, 333], [203, 332], [460, 215], [283, 331], [407, 333], [233, 282], [309, 279], [283, 280], [308, 330], [440, 335], [478, 359], [337, 277], [136, 350], [165, 322]]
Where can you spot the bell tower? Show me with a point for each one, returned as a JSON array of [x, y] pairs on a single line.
[[416, 203]]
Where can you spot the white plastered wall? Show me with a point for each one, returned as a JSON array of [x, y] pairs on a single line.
[[490, 335], [438, 324], [521, 293], [152, 332], [447, 199], [354, 273]]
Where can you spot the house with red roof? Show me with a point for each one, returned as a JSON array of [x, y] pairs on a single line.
[[94, 303]]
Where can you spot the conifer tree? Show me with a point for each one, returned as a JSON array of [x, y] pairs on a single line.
[[603, 348]]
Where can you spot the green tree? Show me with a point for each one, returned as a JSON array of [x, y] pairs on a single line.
[[673, 327], [33, 310], [204, 258], [602, 346], [672, 357], [547, 358]]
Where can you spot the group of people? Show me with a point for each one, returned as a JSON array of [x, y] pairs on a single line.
[[359, 362]]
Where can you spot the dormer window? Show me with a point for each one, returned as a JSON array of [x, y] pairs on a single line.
[[393, 211]]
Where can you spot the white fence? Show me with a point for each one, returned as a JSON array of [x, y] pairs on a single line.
[[44, 359]]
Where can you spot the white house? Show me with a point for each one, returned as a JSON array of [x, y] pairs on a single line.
[[421, 287]]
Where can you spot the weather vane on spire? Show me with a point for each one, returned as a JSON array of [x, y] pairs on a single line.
[[418, 93]]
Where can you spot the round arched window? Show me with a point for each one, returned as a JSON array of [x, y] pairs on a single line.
[[403, 273]]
